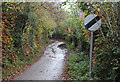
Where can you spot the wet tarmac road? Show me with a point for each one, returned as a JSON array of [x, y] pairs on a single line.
[[49, 67]]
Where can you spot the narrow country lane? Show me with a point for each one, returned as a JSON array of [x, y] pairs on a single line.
[[49, 67]]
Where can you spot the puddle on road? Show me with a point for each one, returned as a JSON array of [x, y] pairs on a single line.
[[49, 67]]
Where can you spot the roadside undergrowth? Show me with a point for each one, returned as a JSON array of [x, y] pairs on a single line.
[[22, 63]]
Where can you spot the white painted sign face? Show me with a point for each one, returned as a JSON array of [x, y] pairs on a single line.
[[92, 22]]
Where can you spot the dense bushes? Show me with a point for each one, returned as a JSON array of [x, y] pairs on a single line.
[[25, 31], [27, 26], [107, 61], [17, 50], [106, 48], [78, 66]]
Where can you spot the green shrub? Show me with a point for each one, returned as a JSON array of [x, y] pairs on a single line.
[[78, 66], [107, 61]]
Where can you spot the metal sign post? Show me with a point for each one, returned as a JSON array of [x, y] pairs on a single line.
[[91, 46], [92, 22]]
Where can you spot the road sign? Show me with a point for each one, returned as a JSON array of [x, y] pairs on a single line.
[[92, 22]]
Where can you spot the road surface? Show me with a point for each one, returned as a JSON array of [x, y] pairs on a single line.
[[49, 67]]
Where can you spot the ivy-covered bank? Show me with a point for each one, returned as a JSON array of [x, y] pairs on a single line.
[[25, 30]]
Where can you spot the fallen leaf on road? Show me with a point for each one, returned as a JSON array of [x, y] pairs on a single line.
[[41, 71]]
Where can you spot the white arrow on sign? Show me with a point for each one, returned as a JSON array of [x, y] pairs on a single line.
[[92, 22]]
